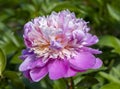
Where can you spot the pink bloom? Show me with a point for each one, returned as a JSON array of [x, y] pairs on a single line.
[[58, 45]]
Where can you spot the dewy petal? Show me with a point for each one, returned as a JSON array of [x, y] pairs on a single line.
[[38, 73], [98, 64], [57, 69], [70, 73], [83, 61]]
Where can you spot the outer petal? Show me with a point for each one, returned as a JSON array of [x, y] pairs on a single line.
[[30, 62], [27, 74], [90, 40], [38, 63], [27, 28], [57, 69], [38, 73], [70, 73], [26, 64], [83, 61], [26, 53], [28, 43], [98, 64], [91, 50]]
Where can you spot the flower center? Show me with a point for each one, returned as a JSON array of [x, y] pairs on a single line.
[[54, 49]]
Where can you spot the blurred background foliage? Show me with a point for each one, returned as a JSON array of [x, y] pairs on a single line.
[[104, 20]]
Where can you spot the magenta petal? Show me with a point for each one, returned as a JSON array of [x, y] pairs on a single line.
[[83, 61], [38, 73], [57, 69], [37, 63], [28, 43], [26, 64], [91, 50], [98, 64], [90, 40], [30, 62], [27, 74], [70, 73]]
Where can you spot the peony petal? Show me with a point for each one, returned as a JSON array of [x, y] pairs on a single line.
[[90, 40], [91, 50], [27, 42], [26, 64], [70, 73], [30, 62], [26, 53], [79, 35], [83, 61], [27, 28], [57, 69], [27, 74], [38, 73], [98, 64], [37, 63]]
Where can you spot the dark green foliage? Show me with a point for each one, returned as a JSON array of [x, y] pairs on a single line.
[[104, 21]]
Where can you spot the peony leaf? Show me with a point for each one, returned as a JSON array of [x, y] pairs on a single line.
[[110, 41], [15, 80], [111, 86], [2, 61], [87, 83], [110, 77], [113, 12]]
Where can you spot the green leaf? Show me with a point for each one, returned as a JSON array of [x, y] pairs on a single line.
[[65, 5], [87, 82], [16, 59], [59, 84], [111, 86], [15, 80], [113, 12], [110, 41], [110, 77], [2, 61], [9, 42], [12, 37]]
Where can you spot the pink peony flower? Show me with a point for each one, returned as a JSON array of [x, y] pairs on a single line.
[[58, 45]]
